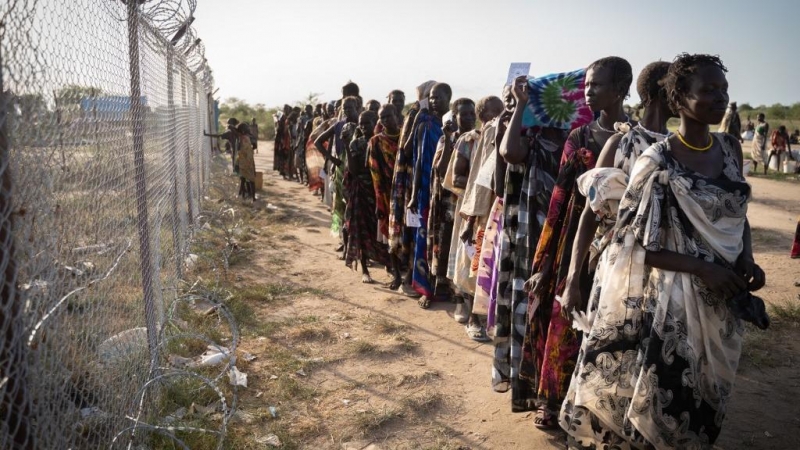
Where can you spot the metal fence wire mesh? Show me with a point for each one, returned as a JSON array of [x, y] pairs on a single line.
[[103, 165]]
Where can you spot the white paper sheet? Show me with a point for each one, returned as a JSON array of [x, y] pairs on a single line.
[[517, 69], [413, 220]]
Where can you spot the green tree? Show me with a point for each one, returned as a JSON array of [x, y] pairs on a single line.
[[794, 111], [244, 112], [778, 111], [70, 96], [744, 107], [30, 106]]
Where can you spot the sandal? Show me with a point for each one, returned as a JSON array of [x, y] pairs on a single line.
[[545, 420], [366, 279], [407, 290], [460, 314], [424, 302], [476, 333]]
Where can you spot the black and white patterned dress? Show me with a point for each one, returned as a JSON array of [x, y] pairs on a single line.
[[658, 366]]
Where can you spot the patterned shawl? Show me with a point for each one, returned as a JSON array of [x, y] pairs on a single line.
[[382, 152], [360, 220], [659, 363], [314, 159]]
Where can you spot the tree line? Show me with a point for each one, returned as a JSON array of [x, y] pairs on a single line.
[[241, 110]]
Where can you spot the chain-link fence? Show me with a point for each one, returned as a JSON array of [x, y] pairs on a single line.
[[103, 104]]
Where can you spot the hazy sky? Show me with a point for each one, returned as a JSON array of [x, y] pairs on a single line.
[[275, 52]]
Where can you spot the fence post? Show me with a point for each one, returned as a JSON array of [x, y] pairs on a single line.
[[13, 351], [199, 148], [189, 199], [94, 119], [177, 236], [60, 126], [151, 309]]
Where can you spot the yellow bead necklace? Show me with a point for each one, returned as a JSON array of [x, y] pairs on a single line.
[[697, 149]]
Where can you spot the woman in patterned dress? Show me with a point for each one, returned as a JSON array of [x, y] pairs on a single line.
[[247, 164], [603, 186], [551, 345], [657, 367], [360, 220], [401, 237], [760, 136], [381, 155], [443, 210]]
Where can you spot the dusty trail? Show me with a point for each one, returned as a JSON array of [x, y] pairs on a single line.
[[470, 415]]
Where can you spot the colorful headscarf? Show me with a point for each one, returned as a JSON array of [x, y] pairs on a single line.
[[557, 100]]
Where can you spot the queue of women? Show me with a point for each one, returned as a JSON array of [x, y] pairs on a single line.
[[608, 261]]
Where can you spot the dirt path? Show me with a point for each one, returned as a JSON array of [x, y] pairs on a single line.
[[411, 378], [773, 215]]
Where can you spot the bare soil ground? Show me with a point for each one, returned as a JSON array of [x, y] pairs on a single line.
[[354, 366]]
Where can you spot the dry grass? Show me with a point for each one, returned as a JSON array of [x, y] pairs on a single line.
[[423, 403], [371, 420], [307, 365], [757, 348], [414, 380], [311, 333], [787, 313], [382, 325]]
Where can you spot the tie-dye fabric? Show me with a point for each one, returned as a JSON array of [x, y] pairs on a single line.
[[557, 100]]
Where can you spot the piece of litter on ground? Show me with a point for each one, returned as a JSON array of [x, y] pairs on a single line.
[[210, 358], [269, 439], [273, 411], [248, 356], [768, 434], [259, 394], [190, 261], [271, 206], [359, 445], [301, 372], [346, 402], [218, 348], [346, 335], [317, 359], [123, 345], [273, 377], [237, 378]]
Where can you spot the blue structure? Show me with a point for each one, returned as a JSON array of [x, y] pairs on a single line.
[[110, 107]]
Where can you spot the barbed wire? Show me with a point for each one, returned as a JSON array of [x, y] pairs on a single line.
[[103, 169]]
